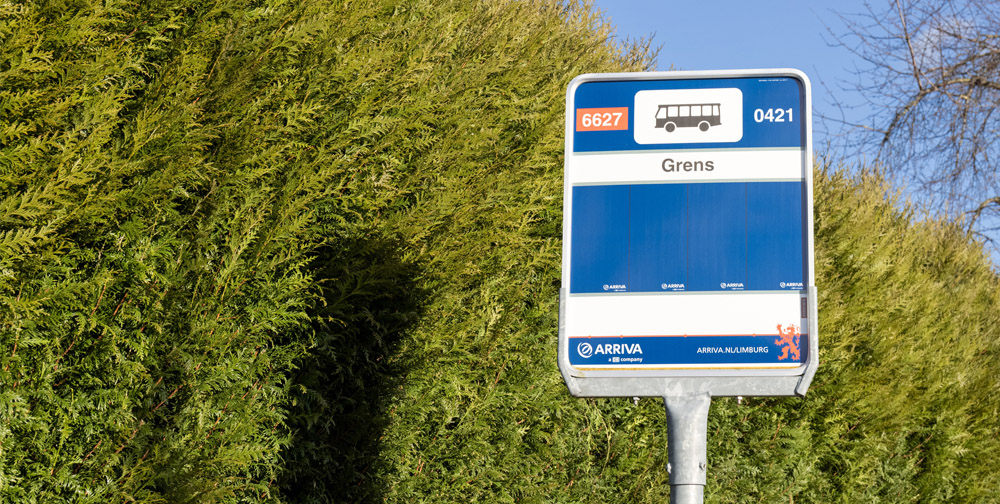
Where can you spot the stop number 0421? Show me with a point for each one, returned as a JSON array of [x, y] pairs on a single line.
[[773, 115]]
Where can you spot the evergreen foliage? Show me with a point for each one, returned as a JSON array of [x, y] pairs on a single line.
[[309, 252]]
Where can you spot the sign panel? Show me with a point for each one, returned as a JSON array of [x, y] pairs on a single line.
[[687, 238]]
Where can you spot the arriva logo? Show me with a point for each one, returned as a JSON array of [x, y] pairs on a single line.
[[585, 350], [617, 348], [732, 285], [615, 287], [672, 286]]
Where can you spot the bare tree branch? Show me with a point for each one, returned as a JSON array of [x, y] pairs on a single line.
[[932, 82], [909, 45], [974, 214]]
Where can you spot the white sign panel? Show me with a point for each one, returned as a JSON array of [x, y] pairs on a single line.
[[688, 115]]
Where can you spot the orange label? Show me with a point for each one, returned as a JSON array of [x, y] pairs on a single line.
[[602, 119]]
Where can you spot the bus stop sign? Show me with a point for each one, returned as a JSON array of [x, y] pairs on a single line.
[[687, 235]]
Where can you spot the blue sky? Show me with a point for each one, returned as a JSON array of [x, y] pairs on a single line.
[[728, 34]]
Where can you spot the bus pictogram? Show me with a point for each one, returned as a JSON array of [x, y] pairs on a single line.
[[700, 115]]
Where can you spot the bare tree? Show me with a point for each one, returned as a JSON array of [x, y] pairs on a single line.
[[933, 92]]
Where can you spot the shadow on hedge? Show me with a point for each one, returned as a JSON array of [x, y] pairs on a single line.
[[369, 299]]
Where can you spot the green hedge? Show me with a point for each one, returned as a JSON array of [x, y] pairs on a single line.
[[280, 251]]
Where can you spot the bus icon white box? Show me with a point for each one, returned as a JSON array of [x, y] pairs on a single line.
[[671, 116]]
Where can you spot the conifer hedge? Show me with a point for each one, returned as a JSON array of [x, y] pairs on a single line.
[[308, 251]]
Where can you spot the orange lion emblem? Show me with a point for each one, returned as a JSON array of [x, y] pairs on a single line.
[[788, 340]]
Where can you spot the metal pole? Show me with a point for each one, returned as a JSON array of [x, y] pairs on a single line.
[[687, 446]]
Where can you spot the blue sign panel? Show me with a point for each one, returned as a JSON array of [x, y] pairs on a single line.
[[776, 102], [688, 350], [601, 253], [657, 245], [719, 246], [728, 236], [776, 235]]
